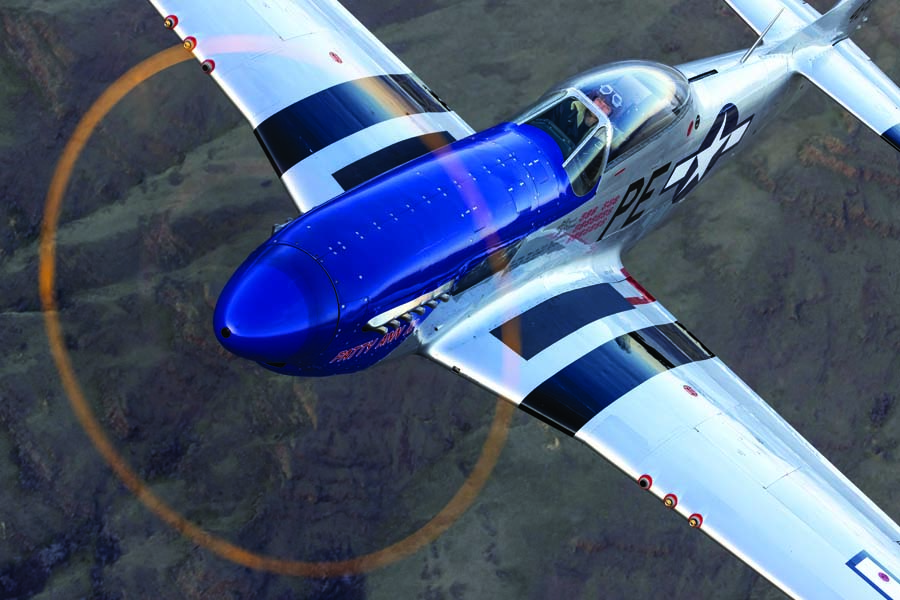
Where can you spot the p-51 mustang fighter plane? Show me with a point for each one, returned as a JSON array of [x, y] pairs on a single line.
[[497, 254]]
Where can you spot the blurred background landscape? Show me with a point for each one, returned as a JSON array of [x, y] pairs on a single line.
[[785, 264]]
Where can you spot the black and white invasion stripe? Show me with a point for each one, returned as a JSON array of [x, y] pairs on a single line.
[[577, 392], [330, 115]]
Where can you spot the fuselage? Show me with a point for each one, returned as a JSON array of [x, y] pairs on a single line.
[[342, 286]]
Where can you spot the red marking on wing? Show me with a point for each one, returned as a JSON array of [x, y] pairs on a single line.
[[645, 296]]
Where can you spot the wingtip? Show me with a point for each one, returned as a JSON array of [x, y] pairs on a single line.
[[892, 137]]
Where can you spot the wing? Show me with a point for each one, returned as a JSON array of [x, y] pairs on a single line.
[[586, 349], [758, 14], [331, 106]]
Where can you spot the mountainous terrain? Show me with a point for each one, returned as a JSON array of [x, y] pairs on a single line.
[[785, 264]]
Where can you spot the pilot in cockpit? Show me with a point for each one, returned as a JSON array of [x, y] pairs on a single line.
[[600, 103], [590, 119], [570, 122], [607, 99], [586, 119]]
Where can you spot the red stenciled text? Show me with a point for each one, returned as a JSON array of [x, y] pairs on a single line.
[[592, 220], [388, 338]]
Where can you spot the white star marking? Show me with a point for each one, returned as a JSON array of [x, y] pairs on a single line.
[[702, 159]]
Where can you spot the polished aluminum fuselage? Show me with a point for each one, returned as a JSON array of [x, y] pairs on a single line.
[[761, 87], [595, 234]]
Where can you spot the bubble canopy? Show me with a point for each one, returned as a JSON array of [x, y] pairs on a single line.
[[640, 99]]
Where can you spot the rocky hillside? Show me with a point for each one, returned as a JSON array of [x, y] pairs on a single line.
[[785, 264]]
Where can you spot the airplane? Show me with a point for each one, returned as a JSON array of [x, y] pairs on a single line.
[[497, 254]]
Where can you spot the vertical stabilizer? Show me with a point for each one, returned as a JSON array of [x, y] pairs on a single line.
[[842, 20]]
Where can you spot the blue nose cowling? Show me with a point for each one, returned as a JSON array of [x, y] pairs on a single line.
[[279, 307]]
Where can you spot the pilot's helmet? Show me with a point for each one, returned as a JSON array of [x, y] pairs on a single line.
[[626, 93], [609, 96]]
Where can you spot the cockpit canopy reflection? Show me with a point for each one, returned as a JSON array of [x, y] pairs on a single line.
[[640, 99]]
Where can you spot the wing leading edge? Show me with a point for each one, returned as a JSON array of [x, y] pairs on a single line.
[[331, 106], [586, 349]]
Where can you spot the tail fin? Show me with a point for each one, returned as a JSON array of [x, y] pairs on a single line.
[[820, 49], [842, 20]]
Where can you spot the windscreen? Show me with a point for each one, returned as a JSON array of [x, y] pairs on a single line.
[[640, 99]]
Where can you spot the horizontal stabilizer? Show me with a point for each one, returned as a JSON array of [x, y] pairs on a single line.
[[759, 14], [845, 73]]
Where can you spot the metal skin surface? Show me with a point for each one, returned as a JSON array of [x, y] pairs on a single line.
[[480, 256], [400, 236], [765, 494], [269, 56], [431, 221]]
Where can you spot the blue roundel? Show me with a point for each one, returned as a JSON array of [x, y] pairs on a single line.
[[279, 307]]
